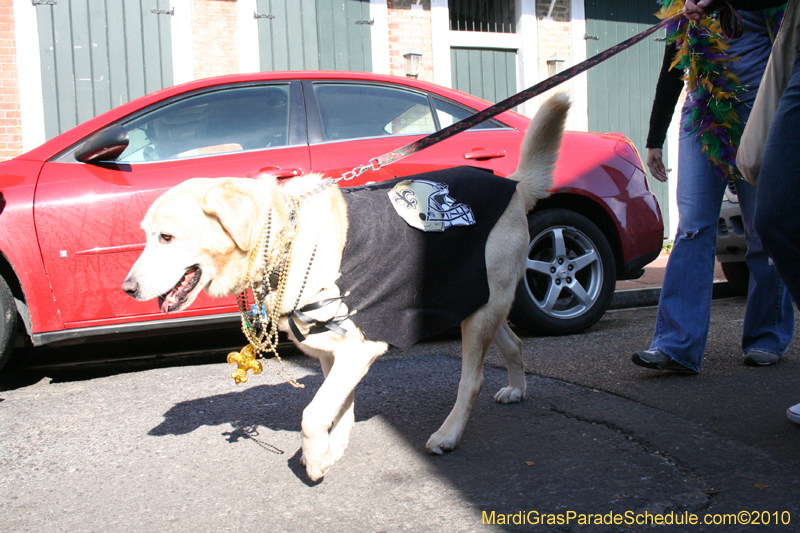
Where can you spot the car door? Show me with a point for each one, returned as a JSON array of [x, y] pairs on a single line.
[[88, 216], [352, 122]]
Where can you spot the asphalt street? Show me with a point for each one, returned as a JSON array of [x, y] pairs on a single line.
[[170, 443]]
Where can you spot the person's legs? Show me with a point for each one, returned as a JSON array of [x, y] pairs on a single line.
[[769, 317], [684, 307], [777, 217]]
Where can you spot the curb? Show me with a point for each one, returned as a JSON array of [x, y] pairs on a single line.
[[629, 298], [635, 298]]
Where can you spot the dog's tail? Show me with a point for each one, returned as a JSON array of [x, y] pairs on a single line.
[[540, 150]]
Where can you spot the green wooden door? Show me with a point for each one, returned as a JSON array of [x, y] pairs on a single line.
[[486, 73], [621, 90], [314, 35], [98, 54]]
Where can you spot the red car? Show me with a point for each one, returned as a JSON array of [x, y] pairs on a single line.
[[70, 209]]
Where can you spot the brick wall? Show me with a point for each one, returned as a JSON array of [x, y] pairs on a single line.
[[405, 32], [214, 27], [10, 118]]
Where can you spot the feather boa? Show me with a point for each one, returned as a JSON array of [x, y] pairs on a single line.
[[713, 90]]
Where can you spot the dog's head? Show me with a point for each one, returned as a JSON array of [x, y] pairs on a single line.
[[199, 236]]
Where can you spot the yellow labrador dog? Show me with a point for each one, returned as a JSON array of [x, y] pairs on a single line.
[[226, 235]]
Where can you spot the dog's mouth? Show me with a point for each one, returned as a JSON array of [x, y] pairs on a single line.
[[177, 296]]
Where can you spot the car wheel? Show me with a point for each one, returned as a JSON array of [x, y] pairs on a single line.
[[569, 277], [738, 276], [8, 322]]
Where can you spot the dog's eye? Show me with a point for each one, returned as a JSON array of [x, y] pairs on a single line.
[[165, 238]]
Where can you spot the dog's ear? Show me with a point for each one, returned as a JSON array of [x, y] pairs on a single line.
[[235, 209]]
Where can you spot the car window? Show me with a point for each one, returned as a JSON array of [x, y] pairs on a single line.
[[449, 113], [230, 120], [352, 111]]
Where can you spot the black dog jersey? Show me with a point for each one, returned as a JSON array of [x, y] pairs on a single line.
[[406, 284]]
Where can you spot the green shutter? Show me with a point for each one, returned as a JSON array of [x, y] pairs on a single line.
[[98, 54], [486, 73], [621, 90], [314, 35]]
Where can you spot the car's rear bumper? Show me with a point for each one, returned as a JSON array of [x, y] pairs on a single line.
[[634, 268], [731, 244]]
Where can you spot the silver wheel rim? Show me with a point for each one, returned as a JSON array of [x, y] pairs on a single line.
[[563, 272]]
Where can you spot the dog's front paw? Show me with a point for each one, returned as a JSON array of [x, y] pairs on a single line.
[[317, 468], [317, 456], [440, 443], [509, 395], [339, 436], [338, 447]]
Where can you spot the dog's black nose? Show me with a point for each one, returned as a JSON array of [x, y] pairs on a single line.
[[130, 287]]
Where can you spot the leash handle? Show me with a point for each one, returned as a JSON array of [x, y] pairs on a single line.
[[510, 102]]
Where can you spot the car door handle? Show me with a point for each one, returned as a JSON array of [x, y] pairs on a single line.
[[481, 154], [275, 172]]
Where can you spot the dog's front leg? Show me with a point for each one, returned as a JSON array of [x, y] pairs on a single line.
[[339, 435], [331, 411]]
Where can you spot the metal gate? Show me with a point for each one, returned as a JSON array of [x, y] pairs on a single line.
[[485, 73], [314, 35], [621, 90], [98, 54]]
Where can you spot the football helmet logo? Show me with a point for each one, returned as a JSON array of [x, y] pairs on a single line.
[[428, 206]]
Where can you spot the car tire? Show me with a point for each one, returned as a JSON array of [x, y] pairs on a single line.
[[569, 278], [738, 275], [8, 322]]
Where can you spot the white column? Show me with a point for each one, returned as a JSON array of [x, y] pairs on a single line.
[[528, 52], [440, 34], [181, 35], [579, 114], [29, 74], [247, 36], [379, 13]]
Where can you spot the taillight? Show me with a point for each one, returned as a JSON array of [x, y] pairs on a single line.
[[627, 151]]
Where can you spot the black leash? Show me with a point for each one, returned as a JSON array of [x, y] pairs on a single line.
[[505, 105]]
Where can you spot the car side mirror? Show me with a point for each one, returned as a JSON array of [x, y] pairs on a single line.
[[105, 145]]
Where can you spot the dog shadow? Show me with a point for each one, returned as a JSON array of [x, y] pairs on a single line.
[[279, 407]]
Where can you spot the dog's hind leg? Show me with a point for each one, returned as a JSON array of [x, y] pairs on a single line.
[[505, 260], [477, 333], [333, 404], [511, 348]]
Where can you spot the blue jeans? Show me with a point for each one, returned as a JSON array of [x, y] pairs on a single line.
[[684, 307], [778, 197]]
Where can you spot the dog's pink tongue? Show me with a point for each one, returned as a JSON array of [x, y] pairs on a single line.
[[167, 302]]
